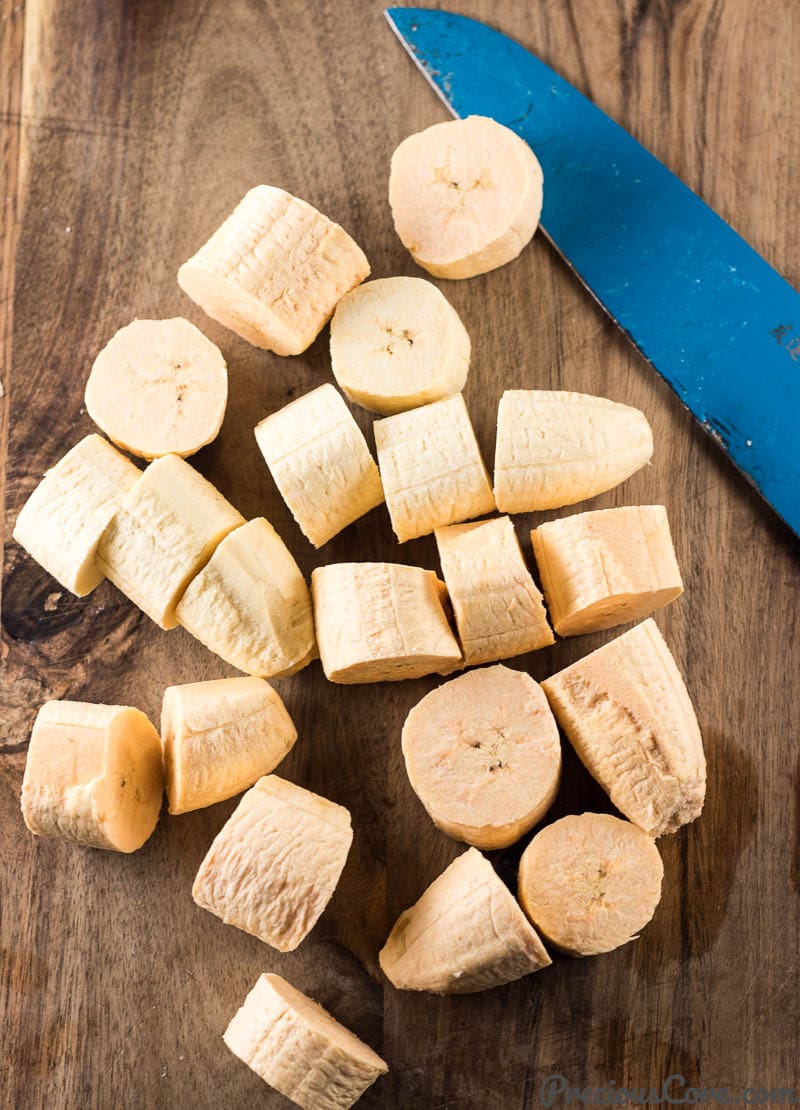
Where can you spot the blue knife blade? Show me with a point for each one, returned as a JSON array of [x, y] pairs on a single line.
[[717, 322]]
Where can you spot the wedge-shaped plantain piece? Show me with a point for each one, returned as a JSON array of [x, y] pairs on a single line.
[[250, 604], [589, 883], [431, 467], [275, 863], [555, 448], [164, 532], [62, 521], [465, 934], [93, 774], [606, 568], [299, 1049], [627, 712], [398, 343], [498, 609], [483, 755], [381, 622], [466, 196], [159, 387], [274, 271], [219, 737], [320, 462]]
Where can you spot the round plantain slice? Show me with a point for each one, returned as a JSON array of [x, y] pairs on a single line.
[[483, 755], [466, 196], [158, 387], [589, 883], [397, 343]]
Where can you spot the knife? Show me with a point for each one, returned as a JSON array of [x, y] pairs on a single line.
[[716, 321]]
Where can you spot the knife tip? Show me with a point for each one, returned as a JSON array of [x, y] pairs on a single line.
[[397, 14]]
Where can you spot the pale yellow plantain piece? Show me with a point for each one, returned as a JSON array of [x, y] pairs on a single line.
[[398, 343], [320, 462], [250, 604], [275, 863], [431, 467], [628, 715], [158, 387], [219, 737], [498, 609], [483, 756], [62, 521], [589, 883], [465, 934], [163, 534], [274, 271], [607, 567], [94, 775], [381, 622], [555, 448], [466, 196], [299, 1049]]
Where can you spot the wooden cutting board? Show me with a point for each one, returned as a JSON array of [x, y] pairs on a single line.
[[129, 132]]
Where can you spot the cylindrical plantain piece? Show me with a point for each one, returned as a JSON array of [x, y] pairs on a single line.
[[628, 715], [498, 609], [483, 755], [62, 521], [320, 462], [589, 883], [398, 343], [274, 271], [164, 532], [275, 863], [299, 1049], [465, 934], [381, 622], [431, 467], [219, 737], [607, 567], [250, 604], [466, 196], [94, 774]]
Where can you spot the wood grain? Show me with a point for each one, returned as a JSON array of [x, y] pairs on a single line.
[[128, 132]]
